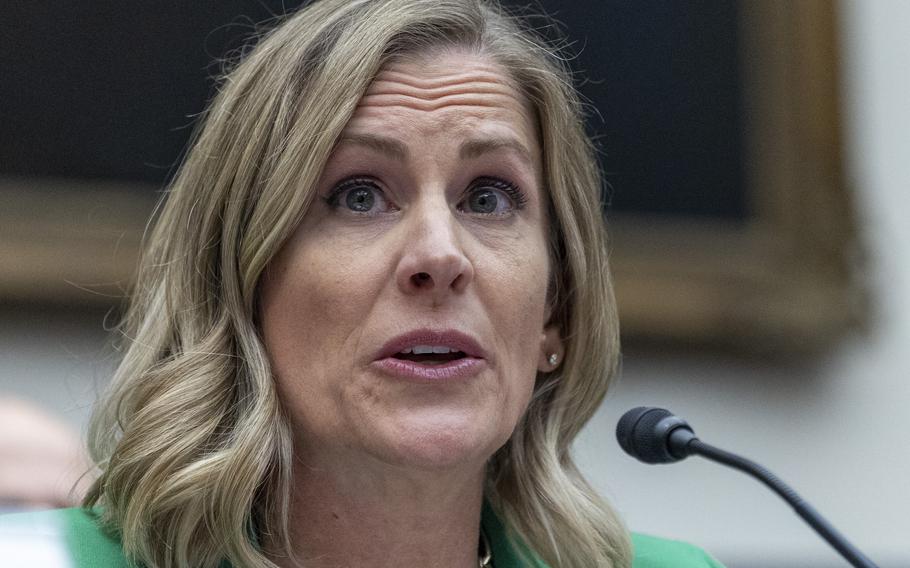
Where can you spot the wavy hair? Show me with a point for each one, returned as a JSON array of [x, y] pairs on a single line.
[[191, 439]]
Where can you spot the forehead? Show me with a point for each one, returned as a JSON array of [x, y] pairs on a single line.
[[446, 93]]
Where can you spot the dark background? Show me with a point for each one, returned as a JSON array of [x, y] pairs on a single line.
[[109, 90]]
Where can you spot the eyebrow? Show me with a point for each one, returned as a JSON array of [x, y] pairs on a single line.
[[478, 147], [382, 144], [473, 148]]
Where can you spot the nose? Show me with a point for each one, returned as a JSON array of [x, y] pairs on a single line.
[[433, 261]]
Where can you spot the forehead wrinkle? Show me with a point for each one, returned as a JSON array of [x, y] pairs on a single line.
[[483, 90], [383, 87], [455, 99], [481, 75], [482, 78]]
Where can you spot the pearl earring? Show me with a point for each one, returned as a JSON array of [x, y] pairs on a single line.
[[553, 358]]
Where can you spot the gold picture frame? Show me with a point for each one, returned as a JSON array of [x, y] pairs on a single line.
[[784, 280]]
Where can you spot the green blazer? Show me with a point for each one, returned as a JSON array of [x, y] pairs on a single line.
[[71, 537]]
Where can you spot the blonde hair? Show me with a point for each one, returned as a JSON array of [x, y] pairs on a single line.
[[194, 448]]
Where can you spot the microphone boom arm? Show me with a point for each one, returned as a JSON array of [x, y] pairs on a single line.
[[694, 446], [654, 435]]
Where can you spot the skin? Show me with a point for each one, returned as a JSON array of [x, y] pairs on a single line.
[[390, 469], [41, 461]]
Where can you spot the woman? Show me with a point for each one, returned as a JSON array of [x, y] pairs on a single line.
[[374, 313]]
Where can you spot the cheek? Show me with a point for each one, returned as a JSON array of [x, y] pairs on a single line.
[[516, 300], [521, 273], [313, 300]]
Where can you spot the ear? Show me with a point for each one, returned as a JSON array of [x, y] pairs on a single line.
[[550, 345]]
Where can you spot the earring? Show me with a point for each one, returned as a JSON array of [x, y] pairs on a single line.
[[552, 358]]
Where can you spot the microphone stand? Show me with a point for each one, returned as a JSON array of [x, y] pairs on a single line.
[[693, 446]]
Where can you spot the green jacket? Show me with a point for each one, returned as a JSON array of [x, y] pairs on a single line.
[[71, 537]]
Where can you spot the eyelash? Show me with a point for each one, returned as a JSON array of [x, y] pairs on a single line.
[[514, 193], [518, 197], [332, 200]]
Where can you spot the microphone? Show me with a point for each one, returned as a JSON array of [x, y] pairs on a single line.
[[655, 435]]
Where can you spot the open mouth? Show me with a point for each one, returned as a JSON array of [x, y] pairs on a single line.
[[430, 354], [431, 358]]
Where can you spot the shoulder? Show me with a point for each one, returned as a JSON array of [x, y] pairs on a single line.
[[653, 552], [61, 537], [649, 551]]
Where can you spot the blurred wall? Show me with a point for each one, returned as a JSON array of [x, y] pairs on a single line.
[[830, 426]]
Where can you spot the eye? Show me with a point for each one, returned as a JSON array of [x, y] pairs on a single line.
[[361, 196], [493, 197]]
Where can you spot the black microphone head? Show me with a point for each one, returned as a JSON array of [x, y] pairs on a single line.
[[644, 433]]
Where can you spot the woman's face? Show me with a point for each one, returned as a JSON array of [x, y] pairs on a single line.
[[428, 234]]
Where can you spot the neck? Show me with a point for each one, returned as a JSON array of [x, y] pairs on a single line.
[[384, 515]]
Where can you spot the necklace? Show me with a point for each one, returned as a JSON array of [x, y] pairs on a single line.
[[486, 553]]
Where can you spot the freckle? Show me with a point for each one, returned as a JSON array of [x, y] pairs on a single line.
[[335, 515]]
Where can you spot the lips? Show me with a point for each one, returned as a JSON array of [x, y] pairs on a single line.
[[454, 340], [431, 356]]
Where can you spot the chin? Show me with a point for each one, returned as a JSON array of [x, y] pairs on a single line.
[[444, 443]]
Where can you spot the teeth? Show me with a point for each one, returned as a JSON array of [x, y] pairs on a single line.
[[425, 349]]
